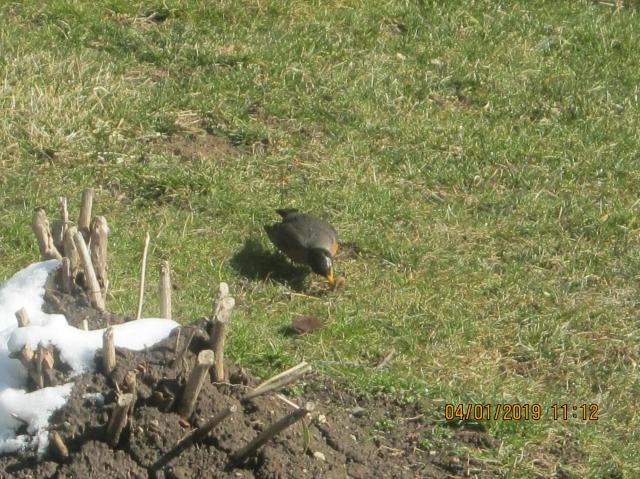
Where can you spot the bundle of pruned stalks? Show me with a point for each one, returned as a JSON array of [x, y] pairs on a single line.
[[82, 250]]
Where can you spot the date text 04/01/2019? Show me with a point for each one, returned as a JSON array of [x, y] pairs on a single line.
[[520, 412]]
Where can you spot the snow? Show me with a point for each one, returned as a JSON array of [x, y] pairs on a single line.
[[77, 349]]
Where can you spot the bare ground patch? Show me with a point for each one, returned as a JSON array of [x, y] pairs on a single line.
[[346, 436]]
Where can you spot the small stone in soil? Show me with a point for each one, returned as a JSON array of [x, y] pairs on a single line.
[[318, 455], [358, 411]]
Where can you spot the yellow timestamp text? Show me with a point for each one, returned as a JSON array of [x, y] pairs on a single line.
[[520, 411]]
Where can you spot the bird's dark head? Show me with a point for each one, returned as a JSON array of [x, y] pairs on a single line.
[[321, 263]]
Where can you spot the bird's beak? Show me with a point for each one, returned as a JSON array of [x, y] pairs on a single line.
[[330, 277]]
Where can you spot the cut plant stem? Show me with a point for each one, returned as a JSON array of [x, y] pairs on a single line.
[[26, 357], [57, 234], [130, 384], [196, 379], [40, 227], [118, 419], [59, 448], [43, 361], [176, 346], [143, 270], [85, 213], [66, 278], [59, 227], [37, 367], [165, 290], [195, 436], [93, 286], [108, 351], [64, 212], [180, 357], [277, 427], [279, 380], [70, 250], [22, 317], [98, 247], [220, 319], [223, 291]]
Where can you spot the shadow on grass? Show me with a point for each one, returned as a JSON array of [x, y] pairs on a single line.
[[255, 262]]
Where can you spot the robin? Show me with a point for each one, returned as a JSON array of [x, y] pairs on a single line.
[[306, 239]]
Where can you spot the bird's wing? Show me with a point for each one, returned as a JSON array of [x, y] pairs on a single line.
[[314, 232], [289, 240]]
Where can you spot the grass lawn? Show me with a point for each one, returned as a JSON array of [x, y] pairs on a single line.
[[481, 155]]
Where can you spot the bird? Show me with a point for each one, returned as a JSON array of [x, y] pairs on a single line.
[[305, 239]]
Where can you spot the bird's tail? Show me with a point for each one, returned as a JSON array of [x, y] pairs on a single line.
[[284, 212]]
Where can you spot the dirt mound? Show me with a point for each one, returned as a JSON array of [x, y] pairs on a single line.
[[345, 436]]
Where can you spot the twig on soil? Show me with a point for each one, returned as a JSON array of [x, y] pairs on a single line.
[[412, 419], [287, 401], [394, 451], [85, 325], [90, 275], [165, 290], [108, 351], [40, 227], [143, 270], [196, 379], [218, 330], [49, 295], [59, 448], [85, 213], [22, 317], [386, 359], [98, 248], [279, 380], [240, 455], [197, 435], [118, 419], [302, 295]]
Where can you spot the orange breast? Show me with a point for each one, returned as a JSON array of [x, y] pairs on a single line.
[[334, 247]]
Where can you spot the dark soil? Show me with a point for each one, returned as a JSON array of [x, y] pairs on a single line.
[[349, 436]]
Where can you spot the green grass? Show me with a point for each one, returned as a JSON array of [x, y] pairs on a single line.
[[482, 154]]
